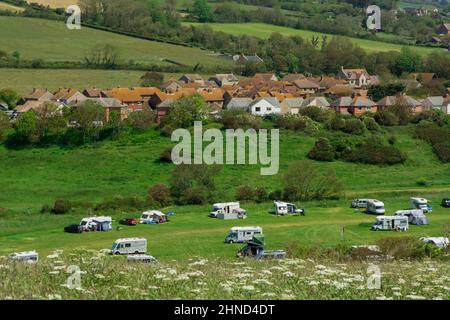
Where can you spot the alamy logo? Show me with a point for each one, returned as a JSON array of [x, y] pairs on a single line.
[[374, 18], [232, 151], [74, 20]]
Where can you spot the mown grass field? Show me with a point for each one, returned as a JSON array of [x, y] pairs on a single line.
[[55, 3], [24, 80], [263, 30], [52, 41], [33, 177]]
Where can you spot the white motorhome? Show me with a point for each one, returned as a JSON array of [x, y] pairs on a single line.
[[242, 234], [227, 210], [419, 203], [415, 216], [152, 217], [282, 208], [26, 256], [393, 223], [375, 207], [360, 203], [100, 223], [129, 245]]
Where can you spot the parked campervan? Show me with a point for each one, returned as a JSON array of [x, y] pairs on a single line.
[[153, 217], [228, 210], [360, 203], [393, 223], [282, 208], [26, 256], [375, 207], [415, 216], [242, 234], [129, 245], [100, 223], [419, 203]]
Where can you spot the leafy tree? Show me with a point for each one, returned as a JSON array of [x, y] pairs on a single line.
[[104, 55], [406, 61], [159, 194], [202, 11], [152, 79], [10, 97], [322, 150], [88, 117]]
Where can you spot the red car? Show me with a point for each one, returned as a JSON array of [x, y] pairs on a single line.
[[128, 221]]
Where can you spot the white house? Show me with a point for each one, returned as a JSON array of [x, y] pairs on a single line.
[[435, 102], [264, 106]]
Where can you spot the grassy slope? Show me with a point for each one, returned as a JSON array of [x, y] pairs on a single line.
[[51, 40], [24, 80], [265, 30], [10, 7], [37, 176]]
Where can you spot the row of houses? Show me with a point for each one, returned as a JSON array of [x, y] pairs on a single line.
[[261, 94]]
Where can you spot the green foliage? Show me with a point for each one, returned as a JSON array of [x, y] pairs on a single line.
[[371, 124], [152, 79], [61, 206], [439, 137], [192, 184], [245, 192], [322, 150], [317, 114], [378, 92], [304, 182], [372, 151], [291, 121], [405, 62], [10, 97], [202, 11], [184, 112], [353, 126], [386, 118], [236, 118], [159, 194], [5, 125]]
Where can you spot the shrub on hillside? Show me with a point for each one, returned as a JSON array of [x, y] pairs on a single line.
[[166, 155], [61, 206], [261, 194], [317, 114], [392, 140], [353, 126], [374, 152], [371, 124], [336, 123], [407, 248], [159, 195], [291, 122], [386, 118], [236, 118], [245, 192], [142, 120], [434, 115], [303, 181], [402, 112], [322, 150], [195, 195], [439, 137]]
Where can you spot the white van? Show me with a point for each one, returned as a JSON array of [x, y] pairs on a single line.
[[360, 203], [26, 256], [224, 208], [375, 207], [99, 223], [283, 208], [393, 223], [129, 245], [419, 203], [242, 234], [153, 217]]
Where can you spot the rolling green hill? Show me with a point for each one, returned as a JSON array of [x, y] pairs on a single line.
[[52, 41], [263, 30], [127, 167]]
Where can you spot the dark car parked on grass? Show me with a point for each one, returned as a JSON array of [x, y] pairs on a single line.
[[446, 203], [128, 221], [73, 228]]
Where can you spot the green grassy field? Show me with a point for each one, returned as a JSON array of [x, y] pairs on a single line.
[[33, 177], [24, 80], [262, 30], [10, 7], [52, 41]]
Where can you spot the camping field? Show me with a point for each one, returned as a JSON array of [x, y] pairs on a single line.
[[52, 41], [263, 30], [127, 167]]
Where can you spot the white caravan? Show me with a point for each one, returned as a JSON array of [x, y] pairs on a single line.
[[282, 208], [415, 216], [100, 223], [242, 234], [26, 256], [375, 207], [393, 223], [141, 258], [129, 245], [360, 203], [419, 203], [152, 217], [227, 210]]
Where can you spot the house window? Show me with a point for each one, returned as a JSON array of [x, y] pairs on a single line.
[[257, 109], [269, 109]]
